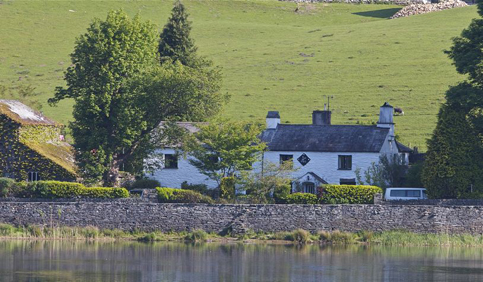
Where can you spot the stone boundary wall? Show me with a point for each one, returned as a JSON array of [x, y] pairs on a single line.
[[145, 216], [437, 202]]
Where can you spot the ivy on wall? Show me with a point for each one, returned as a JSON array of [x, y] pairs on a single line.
[[18, 158]]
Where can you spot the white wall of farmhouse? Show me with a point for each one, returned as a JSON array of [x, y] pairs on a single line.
[[173, 177], [325, 164]]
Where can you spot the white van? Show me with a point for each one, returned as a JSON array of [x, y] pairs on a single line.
[[393, 193]]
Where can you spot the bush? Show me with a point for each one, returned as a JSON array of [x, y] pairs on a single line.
[[302, 198], [171, 195], [281, 192], [57, 189], [196, 236], [19, 190], [349, 194], [200, 188], [145, 183], [5, 186], [299, 236], [227, 188]]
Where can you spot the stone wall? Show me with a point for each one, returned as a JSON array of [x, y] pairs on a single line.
[[128, 215]]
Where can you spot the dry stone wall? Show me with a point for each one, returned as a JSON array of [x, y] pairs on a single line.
[[417, 9], [128, 215]]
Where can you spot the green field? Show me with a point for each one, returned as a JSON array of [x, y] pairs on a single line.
[[273, 58]]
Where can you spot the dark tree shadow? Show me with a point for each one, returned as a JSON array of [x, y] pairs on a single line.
[[384, 13]]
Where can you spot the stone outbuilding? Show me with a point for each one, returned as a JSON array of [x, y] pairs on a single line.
[[32, 146]]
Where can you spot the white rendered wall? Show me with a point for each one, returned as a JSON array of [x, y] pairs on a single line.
[[172, 177], [325, 164]]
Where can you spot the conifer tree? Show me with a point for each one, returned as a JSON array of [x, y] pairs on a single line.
[[175, 42], [454, 163]]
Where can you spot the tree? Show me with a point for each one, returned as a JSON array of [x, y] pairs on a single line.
[[175, 42], [467, 56], [270, 181], [121, 94], [388, 172], [222, 148], [453, 164]]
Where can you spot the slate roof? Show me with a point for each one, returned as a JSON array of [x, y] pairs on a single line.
[[403, 149], [273, 114], [325, 138], [320, 179], [23, 114]]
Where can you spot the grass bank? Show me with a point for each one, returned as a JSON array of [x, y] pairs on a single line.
[[299, 236], [273, 56]]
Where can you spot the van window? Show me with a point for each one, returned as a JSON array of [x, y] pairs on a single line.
[[413, 193], [398, 193], [405, 193]]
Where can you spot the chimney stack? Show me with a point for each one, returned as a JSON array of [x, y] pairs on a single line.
[[273, 119], [386, 120], [321, 117]]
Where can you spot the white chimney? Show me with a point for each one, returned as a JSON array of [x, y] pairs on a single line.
[[273, 119], [386, 120]]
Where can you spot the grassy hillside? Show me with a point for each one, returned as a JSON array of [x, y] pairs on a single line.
[[273, 57]]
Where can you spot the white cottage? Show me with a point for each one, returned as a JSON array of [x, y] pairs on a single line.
[[322, 153], [325, 153]]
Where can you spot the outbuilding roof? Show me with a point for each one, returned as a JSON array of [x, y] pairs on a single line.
[[23, 114], [325, 138]]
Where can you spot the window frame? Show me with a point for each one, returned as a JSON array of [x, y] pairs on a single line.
[[343, 164], [33, 176], [288, 158], [171, 161]]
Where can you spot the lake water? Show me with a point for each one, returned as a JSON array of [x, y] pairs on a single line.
[[126, 261]]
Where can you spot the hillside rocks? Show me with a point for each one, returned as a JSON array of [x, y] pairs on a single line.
[[417, 9], [397, 2]]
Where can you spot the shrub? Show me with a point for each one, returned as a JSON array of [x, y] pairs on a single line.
[[104, 192], [145, 183], [171, 195], [227, 188], [302, 198], [200, 188], [196, 236], [300, 236], [57, 189], [5, 186], [281, 192], [19, 190], [6, 229], [349, 194]]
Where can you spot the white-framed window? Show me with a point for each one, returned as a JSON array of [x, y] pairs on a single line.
[[345, 162], [33, 176]]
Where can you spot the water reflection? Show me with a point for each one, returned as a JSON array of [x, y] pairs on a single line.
[[126, 261]]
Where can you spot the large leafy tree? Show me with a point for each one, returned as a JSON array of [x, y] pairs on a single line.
[[121, 94], [220, 149], [454, 163], [175, 42]]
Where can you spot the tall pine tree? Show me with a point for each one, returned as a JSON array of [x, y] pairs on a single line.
[[175, 42], [454, 163]]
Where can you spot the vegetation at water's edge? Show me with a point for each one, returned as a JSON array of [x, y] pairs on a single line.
[[299, 236]]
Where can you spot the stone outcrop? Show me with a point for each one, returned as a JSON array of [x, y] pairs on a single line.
[[397, 2], [417, 9], [237, 219]]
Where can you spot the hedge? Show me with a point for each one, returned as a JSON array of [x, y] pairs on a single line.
[[349, 194], [171, 195], [302, 198], [57, 189]]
